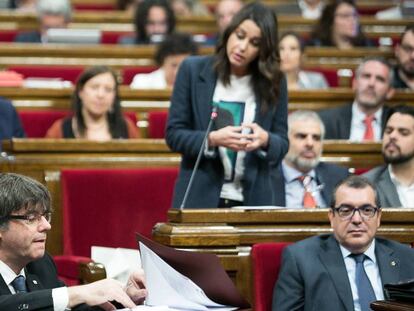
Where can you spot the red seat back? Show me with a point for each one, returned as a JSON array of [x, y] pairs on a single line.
[[266, 260], [105, 207], [157, 121], [128, 73], [37, 122]]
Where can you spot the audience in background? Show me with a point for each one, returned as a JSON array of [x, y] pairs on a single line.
[[404, 54], [339, 27], [310, 9], [10, 125], [129, 6], [23, 5], [345, 270], [302, 181], [291, 52], [169, 55], [364, 119], [51, 14], [224, 12], [97, 110], [395, 180], [404, 9], [153, 20], [188, 8]]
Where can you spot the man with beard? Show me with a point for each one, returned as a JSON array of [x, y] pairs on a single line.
[[404, 53], [363, 120], [395, 181], [301, 180]]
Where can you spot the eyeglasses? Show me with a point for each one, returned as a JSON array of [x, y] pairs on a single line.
[[407, 48], [31, 219], [346, 212]]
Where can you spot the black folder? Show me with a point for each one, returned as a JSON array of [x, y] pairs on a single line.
[[203, 269]]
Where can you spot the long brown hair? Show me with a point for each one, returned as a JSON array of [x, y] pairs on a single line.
[[265, 69]]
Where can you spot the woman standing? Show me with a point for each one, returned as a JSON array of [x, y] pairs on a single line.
[[96, 108], [244, 81]]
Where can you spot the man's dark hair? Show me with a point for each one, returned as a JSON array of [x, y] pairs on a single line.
[[355, 182], [409, 28], [175, 44], [403, 109], [141, 18], [19, 192]]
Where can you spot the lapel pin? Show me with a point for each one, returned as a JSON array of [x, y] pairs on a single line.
[[393, 263], [35, 282]]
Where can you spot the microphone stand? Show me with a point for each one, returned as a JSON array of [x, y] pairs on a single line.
[[196, 165]]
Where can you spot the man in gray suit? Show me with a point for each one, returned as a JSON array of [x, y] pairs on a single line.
[[395, 181], [346, 270]]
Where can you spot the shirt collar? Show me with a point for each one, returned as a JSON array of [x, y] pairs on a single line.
[[8, 274], [290, 174], [359, 116], [370, 252]]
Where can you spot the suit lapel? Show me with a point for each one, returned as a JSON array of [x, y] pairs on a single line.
[[388, 263], [331, 257], [33, 282], [387, 188], [345, 131], [4, 288], [205, 91]]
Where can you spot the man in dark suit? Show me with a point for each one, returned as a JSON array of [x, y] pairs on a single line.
[[345, 270], [10, 125], [395, 181], [28, 279], [363, 119], [306, 132], [404, 55]]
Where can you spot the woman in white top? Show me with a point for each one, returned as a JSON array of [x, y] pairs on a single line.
[[169, 55], [291, 56]]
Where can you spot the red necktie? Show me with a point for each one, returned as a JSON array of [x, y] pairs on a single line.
[[308, 199], [369, 131]]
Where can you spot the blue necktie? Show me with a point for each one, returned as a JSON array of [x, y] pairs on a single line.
[[19, 284], [366, 293]]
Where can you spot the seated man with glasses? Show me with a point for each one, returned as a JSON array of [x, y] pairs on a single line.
[[404, 54], [28, 278], [345, 270]]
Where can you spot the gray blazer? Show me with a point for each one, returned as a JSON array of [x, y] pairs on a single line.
[[387, 192], [313, 274]]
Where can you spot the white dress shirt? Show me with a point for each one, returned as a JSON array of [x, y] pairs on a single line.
[[405, 193], [294, 190], [371, 268], [358, 125]]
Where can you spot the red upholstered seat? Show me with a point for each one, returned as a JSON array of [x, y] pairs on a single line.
[[8, 35], [68, 73], [36, 123], [112, 37], [157, 120], [105, 207], [266, 260], [68, 268]]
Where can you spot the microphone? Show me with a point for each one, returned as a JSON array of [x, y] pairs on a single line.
[[213, 116]]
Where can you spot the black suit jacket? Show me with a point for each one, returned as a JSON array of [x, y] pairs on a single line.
[[337, 121], [313, 274], [327, 174], [41, 278], [10, 125]]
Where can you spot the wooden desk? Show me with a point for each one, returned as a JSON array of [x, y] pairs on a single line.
[[229, 233], [385, 305]]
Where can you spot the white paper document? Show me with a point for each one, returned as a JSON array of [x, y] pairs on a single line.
[[168, 287], [118, 262]]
